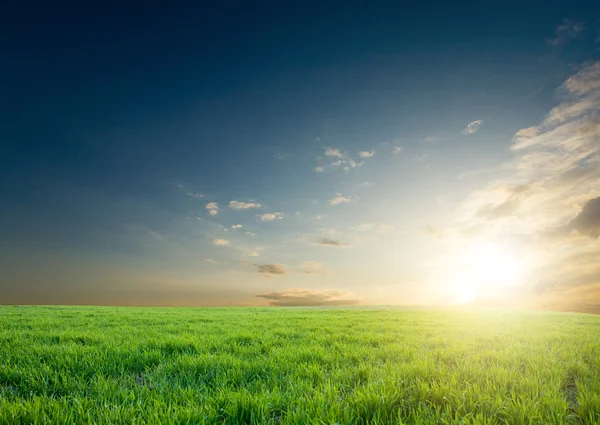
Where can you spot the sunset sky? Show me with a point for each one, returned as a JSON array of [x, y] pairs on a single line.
[[250, 153]]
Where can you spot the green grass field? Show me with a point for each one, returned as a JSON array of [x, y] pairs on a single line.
[[111, 365]]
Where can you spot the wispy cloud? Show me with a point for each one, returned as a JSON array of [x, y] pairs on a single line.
[[212, 208], [221, 242], [308, 297], [238, 205], [332, 152], [319, 169], [312, 267], [271, 216], [380, 228], [210, 260], [366, 154], [396, 149], [237, 226], [472, 127], [272, 269], [195, 195], [567, 32]]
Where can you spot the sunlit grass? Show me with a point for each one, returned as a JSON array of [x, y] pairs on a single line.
[[100, 365]]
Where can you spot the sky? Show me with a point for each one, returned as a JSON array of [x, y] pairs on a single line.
[[256, 153]]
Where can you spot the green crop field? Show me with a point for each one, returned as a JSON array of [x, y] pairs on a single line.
[[111, 365]]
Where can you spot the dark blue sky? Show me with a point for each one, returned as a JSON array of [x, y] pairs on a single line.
[[114, 114]]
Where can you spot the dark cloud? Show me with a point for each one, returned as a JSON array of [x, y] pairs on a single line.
[[307, 297], [328, 242], [587, 221], [272, 269]]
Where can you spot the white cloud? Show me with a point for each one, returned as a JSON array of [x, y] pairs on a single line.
[[333, 152], [340, 199], [472, 127], [221, 242], [366, 154], [270, 216], [212, 208], [195, 195], [237, 205], [319, 169], [210, 260], [237, 226], [250, 233], [397, 149]]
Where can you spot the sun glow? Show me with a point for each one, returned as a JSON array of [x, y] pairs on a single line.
[[485, 269]]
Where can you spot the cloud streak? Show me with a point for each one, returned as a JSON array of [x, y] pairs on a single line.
[[307, 297], [238, 205], [328, 242], [566, 32]]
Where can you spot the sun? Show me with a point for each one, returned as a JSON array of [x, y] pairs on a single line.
[[484, 269]]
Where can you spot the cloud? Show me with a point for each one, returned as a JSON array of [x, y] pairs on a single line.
[[308, 297], [327, 242], [212, 208], [342, 160], [272, 269], [334, 153], [250, 233], [195, 195], [221, 242], [396, 149], [545, 197], [270, 216], [237, 226], [237, 205], [366, 154], [340, 199], [587, 222], [210, 260], [312, 267], [567, 32], [472, 127]]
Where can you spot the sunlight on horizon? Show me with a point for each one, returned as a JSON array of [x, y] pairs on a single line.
[[485, 267]]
